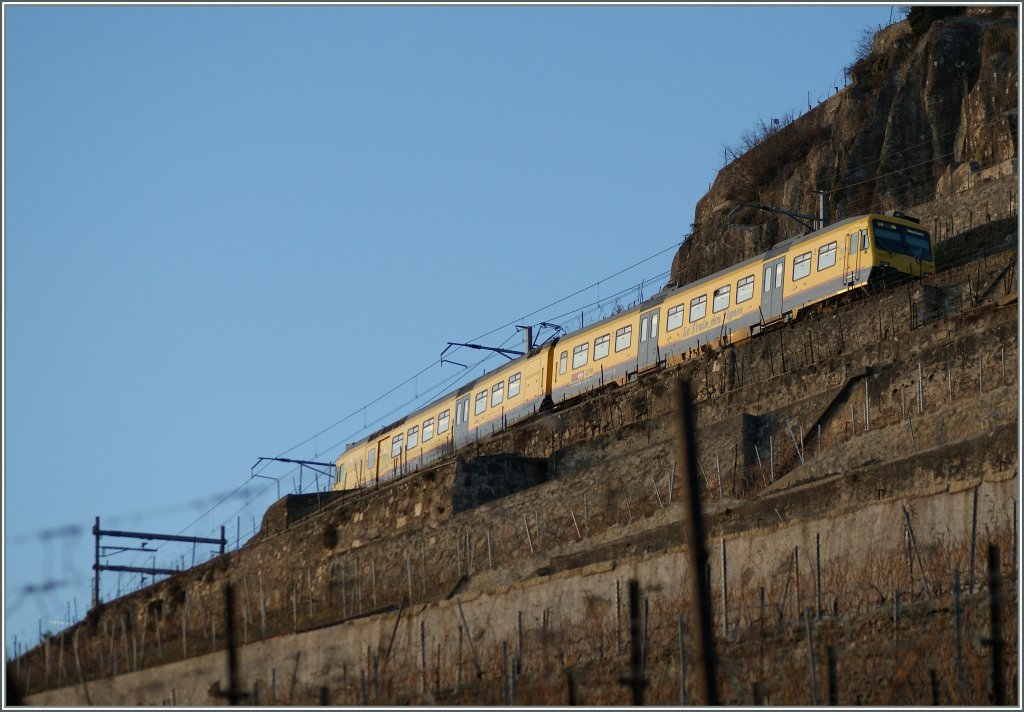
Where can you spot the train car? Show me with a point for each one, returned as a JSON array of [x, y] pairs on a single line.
[[487, 404], [737, 302], [730, 305], [601, 353], [416, 439]]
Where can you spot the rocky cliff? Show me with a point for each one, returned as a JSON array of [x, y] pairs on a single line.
[[924, 105]]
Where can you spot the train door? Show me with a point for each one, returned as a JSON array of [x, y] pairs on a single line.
[[851, 259], [381, 452], [771, 296], [460, 434], [647, 354]]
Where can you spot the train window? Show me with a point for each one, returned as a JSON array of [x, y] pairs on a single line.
[[563, 362], [371, 458], [721, 300], [513, 384], [801, 266], [675, 318], [442, 421], [826, 255], [623, 338], [428, 429], [497, 393], [396, 445], [864, 239], [414, 437], [579, 355], [887, 237], [481, 402], [744, 289], [601, 346], [643, 330], [654, 326], [698, 307], [917, 244], [778, 275], [851, 243], [768, 278]]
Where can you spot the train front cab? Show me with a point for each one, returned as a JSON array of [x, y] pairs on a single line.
[[900, 249], [886, 249]]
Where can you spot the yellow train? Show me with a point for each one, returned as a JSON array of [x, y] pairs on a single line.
[[729, 305]]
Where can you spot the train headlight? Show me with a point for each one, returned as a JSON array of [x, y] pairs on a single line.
[[885, 264]]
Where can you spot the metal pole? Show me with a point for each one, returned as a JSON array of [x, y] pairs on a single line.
[[817, 570], [920, 388], [618, 618], [895, 616], [635, 679], [995, 591], [959, 639], [718, 470], [506, 687], [761, 626], [707, 690], [974, 539], [519, 640], [682, 662], [810, 659], [233, 693], [469, 639], [867, 407], [917, 553], [423, 659], [96, 566], [833, 684], [725, 595]]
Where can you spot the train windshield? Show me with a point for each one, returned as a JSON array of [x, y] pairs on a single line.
[[902, 239]]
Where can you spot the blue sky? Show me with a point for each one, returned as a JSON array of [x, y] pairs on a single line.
[[227, 228]]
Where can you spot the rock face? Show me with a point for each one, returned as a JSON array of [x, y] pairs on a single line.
[[919, 113]]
